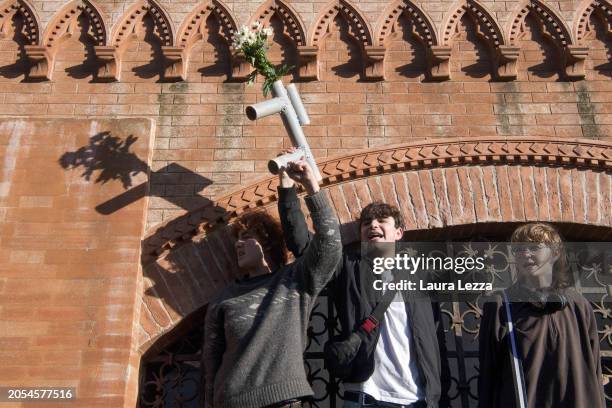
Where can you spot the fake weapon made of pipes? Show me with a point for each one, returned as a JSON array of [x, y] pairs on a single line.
[[286, 101]]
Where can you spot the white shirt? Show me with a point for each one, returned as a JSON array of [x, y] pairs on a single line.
[[396, 377]]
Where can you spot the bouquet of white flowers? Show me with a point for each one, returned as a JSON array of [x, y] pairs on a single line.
[[253, 43]]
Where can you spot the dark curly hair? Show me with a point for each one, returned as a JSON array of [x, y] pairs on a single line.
[[540, 232], [379, 210], [266, 230]]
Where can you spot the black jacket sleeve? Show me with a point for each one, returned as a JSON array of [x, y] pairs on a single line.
[[295, 229]]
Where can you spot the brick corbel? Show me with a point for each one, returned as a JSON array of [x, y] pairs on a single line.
[[42, 62], [375, 57], [507, 56], [308, 61], [110, 64], [175, 68], [438, 57], [240, 67], [574, 61]]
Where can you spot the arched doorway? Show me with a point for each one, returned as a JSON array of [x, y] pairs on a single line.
[[455, 189]]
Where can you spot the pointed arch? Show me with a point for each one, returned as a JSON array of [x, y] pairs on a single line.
[[135, 14], [359, 26], [31, 28], [290, 18], [200, 238], [554, 29], [583, 15], [488, 29], [64, 23], [424, 26], [553, 25], [193, 26]]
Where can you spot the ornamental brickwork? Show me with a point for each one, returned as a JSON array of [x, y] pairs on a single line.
[[126, 151]]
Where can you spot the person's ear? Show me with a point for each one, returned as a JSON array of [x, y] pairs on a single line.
[[399, 233]]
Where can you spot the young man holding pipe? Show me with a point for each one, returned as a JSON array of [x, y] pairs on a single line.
[[255, 330], [403, 366]]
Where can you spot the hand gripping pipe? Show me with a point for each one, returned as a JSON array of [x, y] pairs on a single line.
[[288, 103]]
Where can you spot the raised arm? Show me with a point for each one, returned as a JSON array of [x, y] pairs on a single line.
[[317, 264], [212, 352], [295, 229]]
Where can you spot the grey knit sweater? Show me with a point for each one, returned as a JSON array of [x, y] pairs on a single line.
[[255, 331]]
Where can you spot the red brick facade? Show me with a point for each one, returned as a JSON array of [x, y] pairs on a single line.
[[483, 103]]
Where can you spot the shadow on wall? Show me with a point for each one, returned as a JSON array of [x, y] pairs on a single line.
[[22, 66], [218, 61], [88, 67], [155, 67], [110, 158]]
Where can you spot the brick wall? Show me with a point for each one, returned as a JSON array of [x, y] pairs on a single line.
[[200, 123], [450, 69], [70, 275]]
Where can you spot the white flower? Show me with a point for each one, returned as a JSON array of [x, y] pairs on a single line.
[[268, 31], [251, 38], [256, 25]]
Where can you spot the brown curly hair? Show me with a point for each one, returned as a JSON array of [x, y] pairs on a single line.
[[541, 232], [379, 210], [266, 230]]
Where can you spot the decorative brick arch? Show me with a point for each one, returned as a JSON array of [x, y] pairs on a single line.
[[553, 28], [487, 30], [582, 25], [34, 51], [64, 23], [193, 30], [436, 184], [359, 28], [425, 28], [294, 25], [135, 14], [9, 8], [552, 23], [110, 56]]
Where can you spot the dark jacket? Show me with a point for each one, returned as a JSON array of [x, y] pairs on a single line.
[[355, 299], [559, 351]]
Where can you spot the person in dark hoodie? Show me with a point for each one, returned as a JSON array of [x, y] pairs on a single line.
[[256, 329], [399, 363], [555, 333]]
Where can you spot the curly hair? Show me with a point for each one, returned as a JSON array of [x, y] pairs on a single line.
[[540, 232], [266, 230], [379, 210]]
